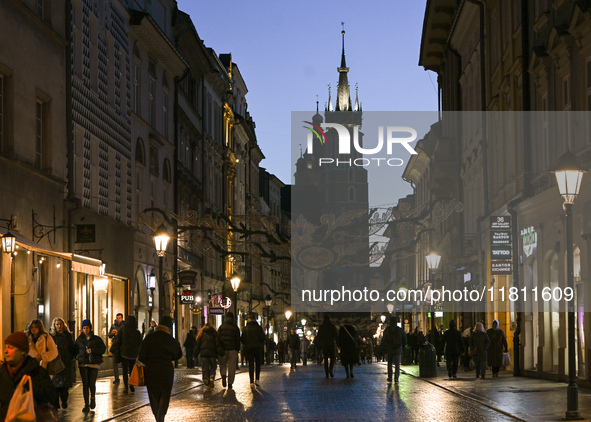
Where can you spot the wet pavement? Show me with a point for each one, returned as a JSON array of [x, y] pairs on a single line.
[[304, 395]]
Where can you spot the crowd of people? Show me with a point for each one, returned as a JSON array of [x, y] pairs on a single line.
[[35, 351]]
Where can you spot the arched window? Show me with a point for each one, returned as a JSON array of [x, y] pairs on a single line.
[[166, 171], [140, 152]]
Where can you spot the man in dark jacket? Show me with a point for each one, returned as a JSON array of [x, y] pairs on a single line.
[[157, 352], [189, 346], [393, 341], [325, 340], [17, 364], [454, 346], [253, 338], [113, 331], [230, 336], [293, 342]]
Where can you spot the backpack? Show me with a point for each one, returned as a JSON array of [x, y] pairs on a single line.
[[395, 339]]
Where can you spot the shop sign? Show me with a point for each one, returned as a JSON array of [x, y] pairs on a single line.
[[500, 267], [467, 277], [498, 237], [500, 252], [500, 222], [187, 297], [216, 311], [529, 239]]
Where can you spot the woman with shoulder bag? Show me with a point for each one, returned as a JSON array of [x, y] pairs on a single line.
[[130, 340], [207, 347], [41, 344], [90, 356], [64, 379]]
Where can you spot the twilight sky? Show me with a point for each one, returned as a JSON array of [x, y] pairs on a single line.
[[288, 52]]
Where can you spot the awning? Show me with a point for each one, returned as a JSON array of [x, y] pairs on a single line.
[[80, 264]]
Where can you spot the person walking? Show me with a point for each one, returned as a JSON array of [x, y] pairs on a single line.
[[348, 340], [17, 363], [281, 351], [304, 346], [115, 328], [129, 339], [394, 340], [325, 341], [90, 356], [63, 380], [418, 343], [41, 344], [206, 347], [498, 345], [370, 350], [293, 343], [189, 346], [230, 338], [157, 352], [454, 346], [253, 338], [479, 343]]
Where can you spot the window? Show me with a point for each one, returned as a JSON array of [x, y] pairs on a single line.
[[166, 171], [140, 152], [152, 101], [39, 8], [137, 88], [39, 118], [165, 114]]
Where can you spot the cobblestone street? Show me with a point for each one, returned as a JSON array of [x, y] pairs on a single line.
[[307, 395]]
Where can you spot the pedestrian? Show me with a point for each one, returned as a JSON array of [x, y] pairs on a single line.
[[304, 346], [152, 326], [435, 340], [189, 346], [230, 338], [157, 352], [325, 340], [466, 341], [394, 340], [419, 342], [454, 346], [293, 343], [253, 338], [115, 328], [67, 350], [41, 344], [206, 347], [479, 343], [281, 351], [17, 363], [90, 356], [370, 350], [349, 341], [498, 345], [129, 339]]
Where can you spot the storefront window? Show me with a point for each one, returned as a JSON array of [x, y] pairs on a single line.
[[100, 315]]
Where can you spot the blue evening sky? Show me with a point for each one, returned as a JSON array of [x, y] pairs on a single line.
[[288, 52]]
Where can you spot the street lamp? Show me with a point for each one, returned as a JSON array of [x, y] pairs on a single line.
[[569, 177], [383, 318], [235, 281], [151, 287], [9, 247], [287, 314], [304, 322], [433, 260], [390, 308], [161, 238]]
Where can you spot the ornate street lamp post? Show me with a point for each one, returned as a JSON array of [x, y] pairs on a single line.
[[569, 177], [161, 238], [9, 246], [433, 260], [235, 281]]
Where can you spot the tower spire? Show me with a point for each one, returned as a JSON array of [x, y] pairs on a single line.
[[356, 98], [343, 96], [329, 99]]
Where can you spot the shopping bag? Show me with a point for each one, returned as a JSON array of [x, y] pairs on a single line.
[[506, 359], [137, 376], [22, 404]]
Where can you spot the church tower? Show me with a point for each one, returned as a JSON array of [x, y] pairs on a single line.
[[324, 189]]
